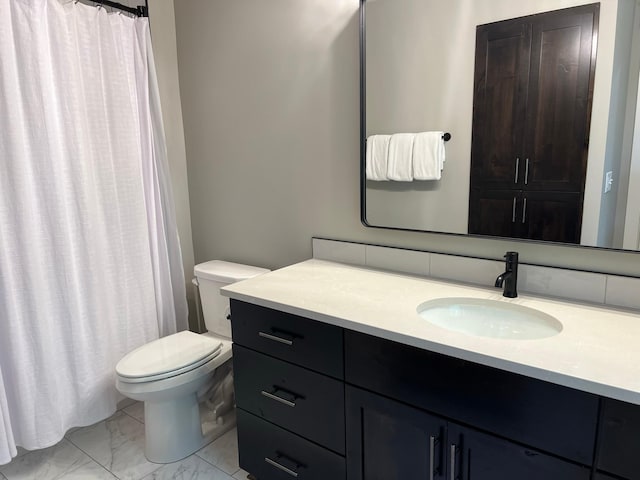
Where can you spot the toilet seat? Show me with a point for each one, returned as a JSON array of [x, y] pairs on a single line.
[[168, 357]]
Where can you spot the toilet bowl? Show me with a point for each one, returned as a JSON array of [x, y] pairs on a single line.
[[167, 374]]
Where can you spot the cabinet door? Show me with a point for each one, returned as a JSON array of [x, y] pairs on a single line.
[[619, 442], [500, 85], [551, 216], [559, 106], [387, 440], [495, 212], [472, 455]]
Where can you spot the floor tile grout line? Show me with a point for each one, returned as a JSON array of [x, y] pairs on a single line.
[[93, 459], [127, 405], [131, 416], [102, 466], [96, 462], [215, 466], [110, 472]]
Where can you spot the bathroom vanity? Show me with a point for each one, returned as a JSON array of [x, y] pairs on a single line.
[[337, 376]]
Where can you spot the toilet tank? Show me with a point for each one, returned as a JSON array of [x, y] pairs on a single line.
[[211, 277]]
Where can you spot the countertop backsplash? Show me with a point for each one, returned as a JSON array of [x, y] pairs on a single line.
[[580, 286]]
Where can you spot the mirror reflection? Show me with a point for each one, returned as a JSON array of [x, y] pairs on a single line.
[[540, 99]]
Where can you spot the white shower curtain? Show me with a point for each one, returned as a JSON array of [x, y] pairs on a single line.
[[90, 264]]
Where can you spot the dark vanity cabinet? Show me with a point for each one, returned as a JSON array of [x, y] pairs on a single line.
[[531, 114], [315, 401]]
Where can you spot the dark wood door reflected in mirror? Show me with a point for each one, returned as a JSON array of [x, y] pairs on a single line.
[[531, 116]]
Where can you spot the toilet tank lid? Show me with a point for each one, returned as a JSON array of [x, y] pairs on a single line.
[[227, 272]]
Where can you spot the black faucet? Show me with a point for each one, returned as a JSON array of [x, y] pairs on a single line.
[[510, 277]]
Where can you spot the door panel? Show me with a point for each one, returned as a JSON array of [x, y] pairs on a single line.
[[484, 457], [552, 216], [559, 106], [494, 212], [501, 76], [619, 442], [387, 440]]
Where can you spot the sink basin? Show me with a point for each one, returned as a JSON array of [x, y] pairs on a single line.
[[489, 318]]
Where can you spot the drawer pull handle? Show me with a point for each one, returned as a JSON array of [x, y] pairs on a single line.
[[432, 453], [278, 399], [281, 467], [452, 459], [286, 341]]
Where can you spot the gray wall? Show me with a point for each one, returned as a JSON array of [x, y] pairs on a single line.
[[270, 99]]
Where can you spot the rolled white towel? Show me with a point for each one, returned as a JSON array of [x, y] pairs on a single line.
[[376, 159], [428, 156], [399, 164]]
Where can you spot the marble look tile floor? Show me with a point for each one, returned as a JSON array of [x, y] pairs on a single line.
[[114, 449]]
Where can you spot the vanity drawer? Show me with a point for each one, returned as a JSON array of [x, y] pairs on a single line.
[[302, 401], [298, 340], [548, 417], [270, 452]]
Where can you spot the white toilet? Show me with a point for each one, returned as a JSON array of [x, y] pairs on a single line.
[[168, 373]]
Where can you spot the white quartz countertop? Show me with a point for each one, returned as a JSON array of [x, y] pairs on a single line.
[[598, 350]]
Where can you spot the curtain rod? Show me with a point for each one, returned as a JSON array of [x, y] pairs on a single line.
[[139, 11]]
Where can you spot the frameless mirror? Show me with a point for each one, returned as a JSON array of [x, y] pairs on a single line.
[[541, 100]]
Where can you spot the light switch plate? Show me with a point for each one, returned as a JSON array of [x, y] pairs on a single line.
[[608, 182]]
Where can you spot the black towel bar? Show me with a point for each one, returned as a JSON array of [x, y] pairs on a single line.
[[446, 137]]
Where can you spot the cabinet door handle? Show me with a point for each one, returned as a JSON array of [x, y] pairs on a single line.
[[517, 169], [452, 464], [524, 210], [526, 172], [281, 467], [432, 452], [278, 399], [513, 215], [275, 338]]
